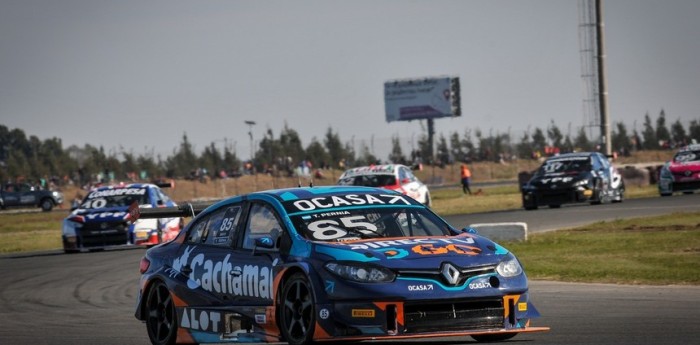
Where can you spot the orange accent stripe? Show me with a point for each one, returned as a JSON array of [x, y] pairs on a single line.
[[184, 337], [506, 305], [178, 301], [320, 333], [399, 310]]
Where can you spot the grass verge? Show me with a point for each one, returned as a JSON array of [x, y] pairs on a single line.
[[656, 250], [450, 201], [30, 231]]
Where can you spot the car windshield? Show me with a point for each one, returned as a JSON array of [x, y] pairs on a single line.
[[687, 156], [117, 197], [368, 180], [554, 166], [369, 222]]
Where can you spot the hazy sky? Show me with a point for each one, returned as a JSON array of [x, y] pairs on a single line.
[[135, 75]]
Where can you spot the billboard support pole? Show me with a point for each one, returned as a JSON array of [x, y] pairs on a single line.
[[431, 137], [602, 82]]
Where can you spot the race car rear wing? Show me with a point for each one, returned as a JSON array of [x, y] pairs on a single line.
[[186, 210], [165, 184]]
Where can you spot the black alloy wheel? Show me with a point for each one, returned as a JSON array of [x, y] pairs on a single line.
[[161, 318], [297, 315]]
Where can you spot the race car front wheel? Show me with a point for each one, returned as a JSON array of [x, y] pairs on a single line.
[[161, 318], [297, 315], [489, 338]]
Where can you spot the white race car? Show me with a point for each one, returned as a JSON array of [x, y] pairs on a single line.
[[390, 176]]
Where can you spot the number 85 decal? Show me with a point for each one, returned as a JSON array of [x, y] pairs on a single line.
[[329, 229]]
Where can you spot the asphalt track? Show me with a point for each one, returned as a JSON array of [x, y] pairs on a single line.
[[89, 298]]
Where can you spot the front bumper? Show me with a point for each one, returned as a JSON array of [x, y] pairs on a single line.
[[541, 197], [408, 319], [670, 185]]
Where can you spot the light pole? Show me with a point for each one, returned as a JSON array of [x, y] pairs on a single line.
[[252, 149]]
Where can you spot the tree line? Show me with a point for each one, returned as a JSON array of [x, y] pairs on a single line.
[[32, 159]]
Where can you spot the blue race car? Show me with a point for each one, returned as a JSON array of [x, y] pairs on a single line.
[[99, 221], [315, 264]]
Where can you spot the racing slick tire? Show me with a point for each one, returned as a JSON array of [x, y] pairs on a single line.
[[620, 197], [161, 318], [597, 193], [46, 205], [529, 206], [297, 314], [488, 338], [555, 206]]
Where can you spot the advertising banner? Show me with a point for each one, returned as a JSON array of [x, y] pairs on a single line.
[[414, 99]]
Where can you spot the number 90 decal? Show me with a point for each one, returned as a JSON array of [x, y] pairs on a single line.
[[330, 229]]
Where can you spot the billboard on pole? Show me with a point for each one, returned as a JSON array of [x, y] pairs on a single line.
[[421, 98]]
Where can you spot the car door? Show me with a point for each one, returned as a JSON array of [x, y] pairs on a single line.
[[11, 195], [601, 167], [206, 257], [255, 264]]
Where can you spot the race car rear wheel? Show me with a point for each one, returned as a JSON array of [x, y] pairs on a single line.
[[161, 318], [488, 338], [297, 315]]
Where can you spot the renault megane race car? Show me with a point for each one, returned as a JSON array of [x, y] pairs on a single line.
[[682, 173], [572, 178], [390, 176], [315, 264], [99, 221]]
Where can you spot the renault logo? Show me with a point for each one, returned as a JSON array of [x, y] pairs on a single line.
[[450, 273]]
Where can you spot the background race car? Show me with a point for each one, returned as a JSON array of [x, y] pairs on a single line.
[[99, 221], [314, 264], [390, 176], [682, 173], [573, 178]]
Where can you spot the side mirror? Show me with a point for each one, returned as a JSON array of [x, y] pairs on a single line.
[[265, 242], [470, 230]]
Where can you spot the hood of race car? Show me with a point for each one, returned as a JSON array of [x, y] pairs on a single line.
[[465, 250]]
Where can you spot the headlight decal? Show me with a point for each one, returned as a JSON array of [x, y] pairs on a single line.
[[509, 268], [361, 273]]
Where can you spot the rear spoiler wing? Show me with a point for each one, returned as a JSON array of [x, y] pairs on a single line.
[[165, 184], [187, 210]]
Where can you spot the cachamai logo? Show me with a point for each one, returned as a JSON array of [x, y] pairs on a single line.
[[223, 277]]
